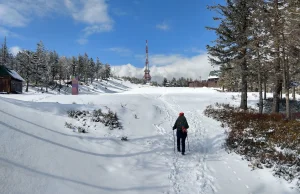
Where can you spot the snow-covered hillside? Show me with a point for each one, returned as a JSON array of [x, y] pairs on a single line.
[[105, 86], [38, 154]]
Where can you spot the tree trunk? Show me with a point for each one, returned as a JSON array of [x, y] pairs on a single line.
[[294, 93], [288, 110], [276, 97], [278, 83], [260, 93], [265, 90], [287, 85], [60, 77], [244, 86], [286, 90], [286, 80], [27, 85]]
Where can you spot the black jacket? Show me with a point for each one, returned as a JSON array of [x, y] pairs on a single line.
[[181, 122]]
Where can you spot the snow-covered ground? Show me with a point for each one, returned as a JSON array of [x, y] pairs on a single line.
[[39, 155], [97, 87]]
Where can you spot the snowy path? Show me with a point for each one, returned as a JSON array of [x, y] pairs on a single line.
[[39, 155], [189, 173], [207, 168]]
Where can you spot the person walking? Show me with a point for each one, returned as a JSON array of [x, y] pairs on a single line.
[[181, 125]]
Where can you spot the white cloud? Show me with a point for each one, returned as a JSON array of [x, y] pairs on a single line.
[[93, 13], [170, 66], [96, 29], [163, 26], [163, 60], [82, 41], [89, 11], [16, 13], [30, 8], [15, 50], [7, 33], [196, 50], [120, 50], [11, 17]]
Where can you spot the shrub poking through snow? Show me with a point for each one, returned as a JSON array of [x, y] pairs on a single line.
[[124, 138], [266, 140], [79, 129], [109, 119], [69, 125]]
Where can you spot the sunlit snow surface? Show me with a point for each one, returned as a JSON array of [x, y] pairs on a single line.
[[39, 155]]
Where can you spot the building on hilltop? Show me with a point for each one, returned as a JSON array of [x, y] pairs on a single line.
[[211, 82]]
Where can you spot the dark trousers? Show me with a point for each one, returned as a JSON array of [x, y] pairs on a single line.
[[181, 136]]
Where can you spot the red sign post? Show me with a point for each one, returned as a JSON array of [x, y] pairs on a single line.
[[74, 85]]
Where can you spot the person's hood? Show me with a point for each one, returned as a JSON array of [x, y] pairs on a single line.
[[181, 114]]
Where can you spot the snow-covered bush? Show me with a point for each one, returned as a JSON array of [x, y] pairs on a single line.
[[109, 119], [69, 125], [267, 139], [79, 129]]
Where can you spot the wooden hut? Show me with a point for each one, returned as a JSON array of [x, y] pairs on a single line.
[[10, 81], [194, 84], [213, 79]]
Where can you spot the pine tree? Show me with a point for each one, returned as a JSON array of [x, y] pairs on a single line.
[[165, 82], [290, 44], [258, 47], [53, 64], [39, 59], [75, 64], [48, 70], [92, 69], [80, 68], [26, 62], [275, 27], [231, 47], [4, 54], [98, 68], [86, 67], [107, 71]]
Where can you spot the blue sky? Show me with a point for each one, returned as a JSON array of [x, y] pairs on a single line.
[[114, 30]]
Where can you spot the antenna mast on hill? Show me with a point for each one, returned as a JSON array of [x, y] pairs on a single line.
[[147, 76]]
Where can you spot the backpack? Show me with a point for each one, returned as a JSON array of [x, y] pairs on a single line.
[[181, 126]]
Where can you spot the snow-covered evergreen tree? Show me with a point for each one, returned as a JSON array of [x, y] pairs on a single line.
[[92, 69], [107, 70], [80, 68], [26, 63], [232, 44], [4, 54], [165, 82]]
